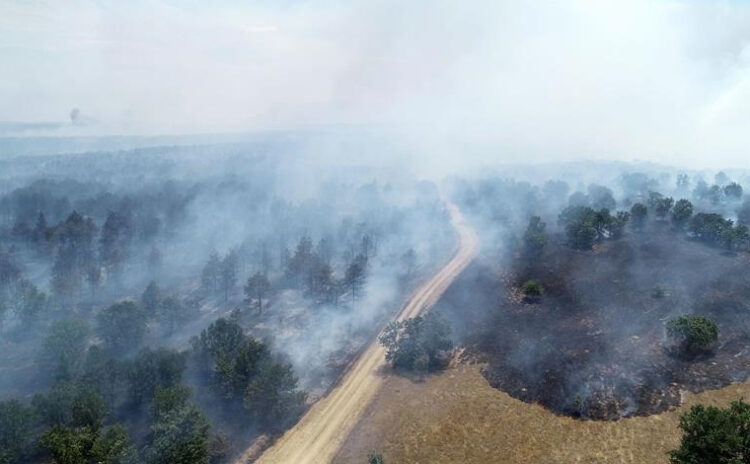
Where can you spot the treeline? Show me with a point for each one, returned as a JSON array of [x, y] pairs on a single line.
[[99, 398], [585, 225]]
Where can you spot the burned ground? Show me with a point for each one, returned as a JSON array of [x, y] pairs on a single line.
[[595, 345]]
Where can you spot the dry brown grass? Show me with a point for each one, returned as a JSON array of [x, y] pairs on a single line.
[[456, 417]]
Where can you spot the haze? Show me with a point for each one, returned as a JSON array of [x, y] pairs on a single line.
[[657, 80]]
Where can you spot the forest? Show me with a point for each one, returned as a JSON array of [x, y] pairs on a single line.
[[175, 304], [602, 302]]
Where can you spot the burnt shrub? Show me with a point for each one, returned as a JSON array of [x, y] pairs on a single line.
[[419, 344], [693, 334]]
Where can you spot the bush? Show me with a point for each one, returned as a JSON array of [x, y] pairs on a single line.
[[418, 344], [715, 435], [532, 290], [375, 458], [694, 334], [659, 291]]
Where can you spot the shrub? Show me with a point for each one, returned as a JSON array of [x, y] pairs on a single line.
[[659, 291], [375, 458], [532, 290], [715, 435], [418, 344], [694, 334]]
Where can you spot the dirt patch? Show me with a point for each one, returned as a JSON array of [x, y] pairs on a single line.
[[595, 347], [458, 417]]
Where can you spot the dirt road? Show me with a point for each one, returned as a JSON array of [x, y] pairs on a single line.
[[318, 435]]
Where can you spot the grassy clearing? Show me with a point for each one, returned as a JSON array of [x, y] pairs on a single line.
[[456, 417]]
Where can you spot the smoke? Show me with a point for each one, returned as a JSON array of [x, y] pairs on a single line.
[[462, 84]]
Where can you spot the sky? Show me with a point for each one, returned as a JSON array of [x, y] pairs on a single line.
[[518, 80]]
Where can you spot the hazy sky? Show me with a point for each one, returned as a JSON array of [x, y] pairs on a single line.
[[667, 80]]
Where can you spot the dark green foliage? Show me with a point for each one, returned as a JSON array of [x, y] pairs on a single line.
[[681, 213], [585, 226], [579, 223], [693, 334], [75, 255], [714, 435], [601, 197], [733, 191], [103, 373], [617, 224], [638, 214], [70, 404], [151, 299], [179, 433], [418, 344], [113, 447], [228, 273], [88, 445], [24, 299], [535, 238], [713, 229], [662, 206], [211, 274], [68, 445], [115, 238], [154, 369], [272, 394], [532, 290], [659, 291], [356, 276], [170, 399], [241, 369], [15, 431], [375, 458], [172, 313], [122, 326], [63, 347], [256, 289], [743, 213]]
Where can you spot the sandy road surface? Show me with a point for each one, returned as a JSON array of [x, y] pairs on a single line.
[[318, 435]]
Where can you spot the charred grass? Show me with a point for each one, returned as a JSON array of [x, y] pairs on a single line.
[[594, 346]]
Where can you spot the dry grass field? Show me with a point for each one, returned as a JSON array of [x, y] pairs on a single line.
[[456, 417]]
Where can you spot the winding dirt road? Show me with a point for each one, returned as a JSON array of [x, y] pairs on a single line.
[[318, 435]]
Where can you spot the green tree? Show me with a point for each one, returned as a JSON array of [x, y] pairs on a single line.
[[417, 344], [272, 395], [15, 431], [113, 447], [693, 334], [211, 274], [532, 290], [256, 289], [375, 458], [355, 276], [122, 326], [172, 313], [155, 369], [68, 445], [662, 206], [714, 435], [535, 238], [228, 273], [179, 436], [681, 213], [151, 299], [64, 346], [638, 214], [733, 191], [88, 445]]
